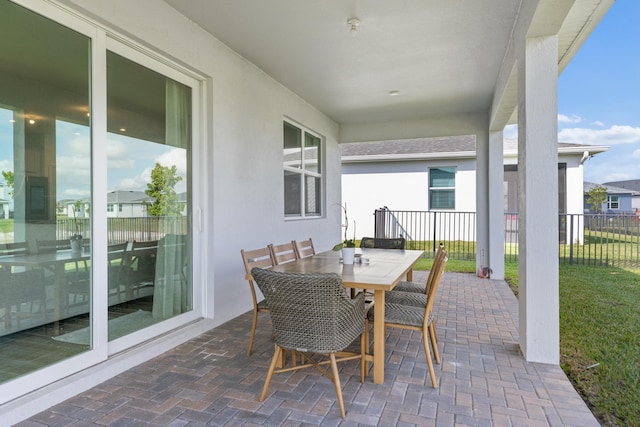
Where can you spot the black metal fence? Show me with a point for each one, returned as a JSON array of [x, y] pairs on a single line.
[[120, 230], [585, 239]]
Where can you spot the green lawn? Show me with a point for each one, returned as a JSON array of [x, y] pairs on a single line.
[[599, 335]]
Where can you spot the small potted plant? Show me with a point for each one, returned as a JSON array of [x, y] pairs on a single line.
[[76, 239], [347, 246]]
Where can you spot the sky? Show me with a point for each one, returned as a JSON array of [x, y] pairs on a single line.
[[599, 96]]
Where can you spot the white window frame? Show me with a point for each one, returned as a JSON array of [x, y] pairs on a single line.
[[611, 204], [433, 189], [306, 173]]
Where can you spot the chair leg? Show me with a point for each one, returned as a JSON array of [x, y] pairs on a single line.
[[336, 382], [434, 341], [253, 331], [425, 341], [363, 353], [277, 354]]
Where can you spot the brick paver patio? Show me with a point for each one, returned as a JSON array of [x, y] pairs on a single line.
[[483, 379]]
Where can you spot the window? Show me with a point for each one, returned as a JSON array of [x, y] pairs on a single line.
[[613, 202], [302, 172], [110, 207], [442, 188]]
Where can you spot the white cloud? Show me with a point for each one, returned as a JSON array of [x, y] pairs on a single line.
[[563, 118], [177, 157], [636, 154], [611, 136], [598, 123]]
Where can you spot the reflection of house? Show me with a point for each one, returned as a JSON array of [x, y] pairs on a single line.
[[630, 184], [619, 200], [6, 201], [440, 174], [127, 204]]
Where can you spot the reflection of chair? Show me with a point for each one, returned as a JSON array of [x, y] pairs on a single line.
[[304, 248], [118, 270], [15, 248], [374, 242], [142, 267], [256, 258], [415, 318], [77, 279], [21, 288], [283, 253], [312, 314]]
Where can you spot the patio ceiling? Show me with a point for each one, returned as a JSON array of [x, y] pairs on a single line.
[[442, 57]]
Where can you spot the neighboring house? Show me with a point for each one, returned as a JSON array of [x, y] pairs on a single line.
[[6, 201], [631, 184], [435, 174], [127, 204], [619, 200]]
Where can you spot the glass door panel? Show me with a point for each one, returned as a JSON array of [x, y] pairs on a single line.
[[149, 143], [45, 192]]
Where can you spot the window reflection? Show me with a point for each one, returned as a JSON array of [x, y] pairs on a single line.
[[147, 204]]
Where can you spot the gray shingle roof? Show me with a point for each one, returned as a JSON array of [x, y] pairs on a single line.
[[610, 189], [630, 184], [455, 146], [411, 146]]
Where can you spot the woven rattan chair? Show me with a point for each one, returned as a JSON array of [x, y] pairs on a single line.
[[261, 258], [285, 252], [415, 318], [304, 248], [420, 288], [312, 314], [374, 242], [418, 299]]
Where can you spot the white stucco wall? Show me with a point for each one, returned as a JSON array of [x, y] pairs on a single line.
[[399, 186]]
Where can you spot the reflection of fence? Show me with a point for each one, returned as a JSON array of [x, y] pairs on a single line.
[[589, 239], [125, 229]]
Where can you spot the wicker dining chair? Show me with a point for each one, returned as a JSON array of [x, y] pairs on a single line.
[[284, 252], [256, 258], [417, 298], [420, 288], [312, 315], [304, 248], [414, 318], [380, 243]]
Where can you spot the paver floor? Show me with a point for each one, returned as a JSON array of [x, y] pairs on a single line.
[[483, 379]]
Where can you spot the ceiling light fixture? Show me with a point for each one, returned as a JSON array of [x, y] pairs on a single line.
[[353, 23], [394, 93]]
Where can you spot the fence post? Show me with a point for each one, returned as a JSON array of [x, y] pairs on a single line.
[[571, 239], [435, 220]]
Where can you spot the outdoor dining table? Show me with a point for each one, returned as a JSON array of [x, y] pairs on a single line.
[[379, 271]]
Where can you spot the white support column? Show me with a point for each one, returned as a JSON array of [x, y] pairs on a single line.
[[496, 205], [538, 199], [482, 203]]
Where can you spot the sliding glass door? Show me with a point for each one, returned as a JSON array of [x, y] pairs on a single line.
[[149, 140], [68, 213]]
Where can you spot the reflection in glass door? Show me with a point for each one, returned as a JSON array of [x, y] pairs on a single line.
[[45, 192], [149, 139]]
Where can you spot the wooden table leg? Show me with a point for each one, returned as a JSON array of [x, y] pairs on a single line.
[[378, 337]]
